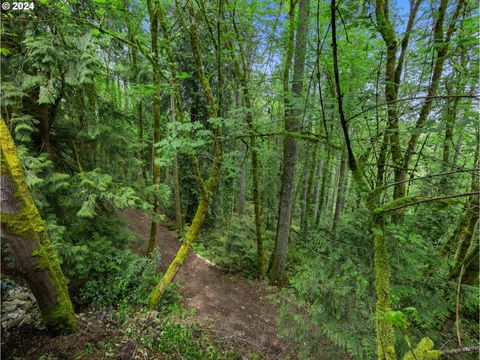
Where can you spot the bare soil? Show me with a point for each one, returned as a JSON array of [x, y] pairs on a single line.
[[235, 312], [235, 306]]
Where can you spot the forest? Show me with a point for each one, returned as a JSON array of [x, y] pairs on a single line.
[[240, 179]]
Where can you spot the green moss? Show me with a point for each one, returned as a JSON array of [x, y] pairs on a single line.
[[423, 351], [396, 203], [28, 224], [384, 25], [385, 335], [182, 253]]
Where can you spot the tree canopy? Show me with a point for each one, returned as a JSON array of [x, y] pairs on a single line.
[[330, 149]]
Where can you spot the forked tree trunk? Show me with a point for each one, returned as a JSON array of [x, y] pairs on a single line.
[[27, 235], [442, 43]]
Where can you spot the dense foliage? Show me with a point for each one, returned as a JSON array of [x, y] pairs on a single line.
[[331, 148]]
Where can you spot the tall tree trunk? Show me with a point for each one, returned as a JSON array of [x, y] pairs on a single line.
[[331, 199], [138, 109], [342, 182], [206, 188], [45, 130], [242, 72], [461, 240], [393, 74], [27, 235], [311, 186], [442, 42], [176, 180], [242, 185], [384, 329], [451, 117], [324, 186], [303, 184], [157, 97], [290, 147], [316, 196]]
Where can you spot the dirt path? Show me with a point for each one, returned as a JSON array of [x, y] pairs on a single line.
[[237, 307]]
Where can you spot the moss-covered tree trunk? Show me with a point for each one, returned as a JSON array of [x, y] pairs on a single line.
[[27, 235], [442, 43], [206, 188], [303, 185], [384, 329], [189, 237], [464, 238]]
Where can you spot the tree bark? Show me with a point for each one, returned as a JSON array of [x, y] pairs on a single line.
[[342, 182], [157, 97], [324, 187], [242, 185], [384, 329], [176, 180], [442, 43], [316, 195], [311, 185], [242, 72], [27, 235], [393, 72], [138, 111], [290, 147], [206, 188]]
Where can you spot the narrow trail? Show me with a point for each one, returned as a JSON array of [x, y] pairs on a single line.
[[238, 308]]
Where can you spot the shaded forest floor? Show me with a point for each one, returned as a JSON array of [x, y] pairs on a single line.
[[232, 312], [238, 308]]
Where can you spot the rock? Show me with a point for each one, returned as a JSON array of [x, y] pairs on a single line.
[[18, 307], [27, 319], [11, 323], [13, 303], [6, 308], [25, 296], [15, 314]]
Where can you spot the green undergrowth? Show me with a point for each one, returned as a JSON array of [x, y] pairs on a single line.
[[128, 281], [169, 333], [173, 334], [329, 304], [232, 246]]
